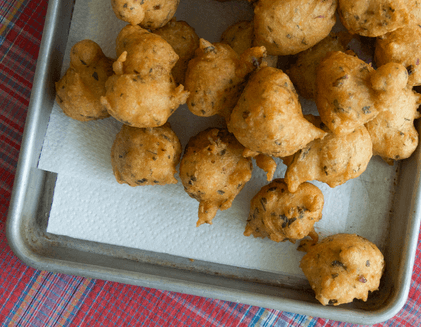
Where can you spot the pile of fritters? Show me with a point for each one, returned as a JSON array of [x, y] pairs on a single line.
[[363, 111]]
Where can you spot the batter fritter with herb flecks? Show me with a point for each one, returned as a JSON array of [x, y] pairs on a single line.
[[145, 156], [402, 46], [393, 132], [240, 37], [287, 27], [281, 215], [184, 40], [303, 72], [150, 14], [268, 118], [343, 267], [213, 171], [79, 91], [143, 93], [374, 18], [216, 76], [333, 159], [344, 96]]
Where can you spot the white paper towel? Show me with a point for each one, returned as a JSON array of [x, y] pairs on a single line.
[[89, 204]]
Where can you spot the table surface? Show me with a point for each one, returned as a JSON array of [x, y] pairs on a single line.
[[30, 297]]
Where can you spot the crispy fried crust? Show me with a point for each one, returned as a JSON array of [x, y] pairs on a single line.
[[334, 159], [145, 156], [213, 171], [392, 132], [343, 267], [149, 14], [268, 118], [216, 77], [374, 18], [79, 91], [402, 46], [303, 72], [286, 27], [345, 99], [283, 216], [184, 40]]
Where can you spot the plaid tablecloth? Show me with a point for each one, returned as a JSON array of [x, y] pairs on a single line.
[[30, 297]]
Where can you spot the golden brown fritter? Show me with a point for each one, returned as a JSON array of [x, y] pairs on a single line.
[[392, 132], [215, 77], [345, 99], [343, 267], [184, 40], [374, 18], [145, 52], [333, 159], [268, 118], [287, 27], [79, 91], [143, 93], [283, 216], [213, 171], [149, 14], [303, 71], [402, 46], [240, 37], [145, 156]]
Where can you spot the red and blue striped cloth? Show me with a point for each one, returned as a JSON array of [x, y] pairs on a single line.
[[30, 297]]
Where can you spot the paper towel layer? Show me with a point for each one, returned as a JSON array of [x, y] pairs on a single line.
[[163, 219], [89, 204]]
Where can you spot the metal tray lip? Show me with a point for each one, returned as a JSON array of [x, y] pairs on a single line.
[[31, 258]]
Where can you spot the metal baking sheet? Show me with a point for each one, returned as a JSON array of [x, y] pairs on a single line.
[[34, 189]]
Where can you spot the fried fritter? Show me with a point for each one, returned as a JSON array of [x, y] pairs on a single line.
[[287, 27], [149, 14], [343, 267], [392, 132], [240, 37], [345, 99], [374, 18], [402, 46], [333, 159], [216, 76], [145, 156], [303, 71], [268, 118], [213, 171], [143, 93], [79, 91], [184, 40], [283, 216]]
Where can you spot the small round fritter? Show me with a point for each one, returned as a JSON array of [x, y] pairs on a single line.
[[79, 91], [215, 77], [149, 14], [283, 216], [141, 52], [402, 46], [374, 18], [286, 27], [184, 40], [345, 99], [303, 72], [268, 118], [145, 156], [143, 93], [240, 37], [143, 100], [343, 267], [213, 171], [333, 159], [392, 132]]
